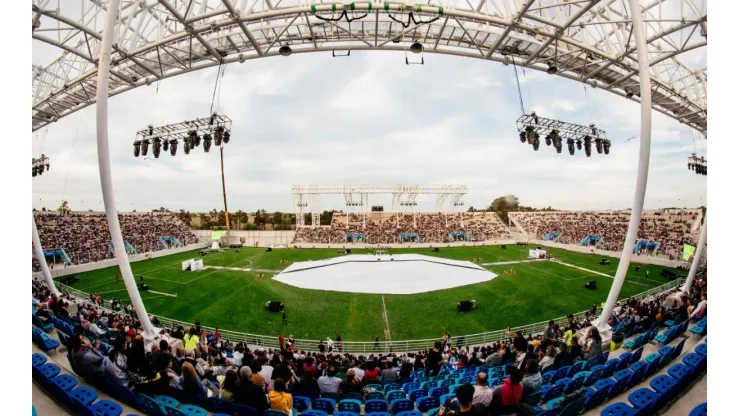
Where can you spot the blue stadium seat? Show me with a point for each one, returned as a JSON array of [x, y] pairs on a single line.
[[574, 408], [562, 372], [594, 398], [618, 409], [700, 410], [37, 360], [375, 406], [409, 413], [313, 413], [378, 414], [375, 386], [171, 411], [353, 396], [390, 387], [395, 394], [692, 359], [106, 408], [410, 386], [245, 410], [341, 414], [401, 405], [350, 405], [273, 412], [153, 407], [416, 393], [301, 403], [326, 405], [701, 349], [426, 403]]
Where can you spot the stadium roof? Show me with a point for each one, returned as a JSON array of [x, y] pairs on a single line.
[[589, 41]]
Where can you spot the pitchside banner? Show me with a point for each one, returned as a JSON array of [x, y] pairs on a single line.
[[688, 251], [216, 235], [196, 265], [187, 263]]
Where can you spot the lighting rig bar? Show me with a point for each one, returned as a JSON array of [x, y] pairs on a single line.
[[215, 129], [532, 129], [698, 164], [39, 165]]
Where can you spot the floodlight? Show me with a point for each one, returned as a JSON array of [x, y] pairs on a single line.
[[227, 137], [156, 147], [166, 145], [34, 171], [137, 148], [218, 135], [607, 146], [416, 47], [536, 142], [629, 93], [558, 142], [522, 137], [548, 139], [598, 142], [587, 145], [551, 68], [173, 147], [571, 146], [207, 142], [285, 50], [579, 144], [144, 147]]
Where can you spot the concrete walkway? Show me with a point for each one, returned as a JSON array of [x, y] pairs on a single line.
[[241, 269], [503, 263]]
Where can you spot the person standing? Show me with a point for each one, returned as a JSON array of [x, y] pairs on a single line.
[[285, 319], [434, 359], [281, 338]]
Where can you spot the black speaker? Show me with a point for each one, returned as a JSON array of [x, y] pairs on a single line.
[[435, 249], [143, 286], [268, 249], [348, 251], [591, 285], [464, 306], [275, 306], [503, 246]]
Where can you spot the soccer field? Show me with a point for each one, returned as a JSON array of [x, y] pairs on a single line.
[[234, 299]]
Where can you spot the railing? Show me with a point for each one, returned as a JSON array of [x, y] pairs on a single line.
[[255, 341]]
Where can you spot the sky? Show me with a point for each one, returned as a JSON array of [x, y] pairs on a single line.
[[367, 119]]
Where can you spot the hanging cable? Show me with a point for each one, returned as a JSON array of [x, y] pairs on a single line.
[[154, 103], [518, 87], [588, 104], [692, 138], [215, 86], [341, 15], [412, 19]]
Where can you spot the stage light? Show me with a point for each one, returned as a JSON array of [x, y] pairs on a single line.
[[587, 145], [34, 171], [196, 140], [558, 142], [522, 137], [207, 142], [186, 146], [506, 50], [137, 148], [579, 144], [548, 139], [227, 137], [607, 146], [156, 147], [173, 147], [599, 148], [416, 47], [691, 166], [144, 147], [551, 68], [218, 135], [571, 146], [536, 142], [166, 145], [285, 50], [629, 92], [530, 134]]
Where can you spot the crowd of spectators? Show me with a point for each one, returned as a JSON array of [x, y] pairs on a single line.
[[388, 228], [84, 237], [193, 364], [670, 228]]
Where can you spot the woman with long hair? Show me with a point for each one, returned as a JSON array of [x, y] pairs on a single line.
[[226, 388], [593, 344], [191, 384], [279, 398], [548, 358], [137, 361], [117, 366]]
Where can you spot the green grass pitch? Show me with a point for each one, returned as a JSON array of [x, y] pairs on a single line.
[[234, 300]]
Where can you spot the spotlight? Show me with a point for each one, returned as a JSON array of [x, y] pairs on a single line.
[[47, 165], [587, 145], [173, 147], [522, 137], [607, 146], [41, 169], [548, 139], [187, 146], [285, 50], [531, 134], [207, 142], [551, 68], [571, 146], [416, 47], [196, 140], [598, 145], [218, 135], [579, 144], [629, 93], [691, 166], [34, 171], [156, 147], [558, 142], [536, 142], [144, 147], [166, 145], [190, 140], [505, 51], [227, 137], [137, 148]]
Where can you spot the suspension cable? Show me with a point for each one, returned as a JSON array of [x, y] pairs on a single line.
[[518, 87], [215, 86], [588, 104]]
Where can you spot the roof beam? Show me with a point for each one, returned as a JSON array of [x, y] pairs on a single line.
[[63, 46], [235, 15], [189, 28], [514, 19]]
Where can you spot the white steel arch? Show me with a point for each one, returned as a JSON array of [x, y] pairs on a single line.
[[589, 41]]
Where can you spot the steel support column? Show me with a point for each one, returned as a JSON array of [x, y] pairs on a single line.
[[642, 167], [42, 259], [697, 256], [106, 182]]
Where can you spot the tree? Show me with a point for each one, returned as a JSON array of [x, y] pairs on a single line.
[[64, 208], [504, 203]]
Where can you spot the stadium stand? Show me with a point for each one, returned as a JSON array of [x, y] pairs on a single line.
[[85, 238], [387, 228], [669, 228], [190, 371]]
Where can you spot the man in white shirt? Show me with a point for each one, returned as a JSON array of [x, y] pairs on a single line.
[[329, 383], [359, 372], [483, 393], [266, 371], [236, 357]]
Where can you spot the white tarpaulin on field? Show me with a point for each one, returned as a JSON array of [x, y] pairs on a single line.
[[537, 254], [187, 263], [396, 274], [196, 265]]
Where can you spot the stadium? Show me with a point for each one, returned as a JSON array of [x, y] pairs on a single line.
[[383, 299]]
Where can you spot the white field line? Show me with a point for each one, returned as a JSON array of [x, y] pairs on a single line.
[[385, 318], [502, 263]]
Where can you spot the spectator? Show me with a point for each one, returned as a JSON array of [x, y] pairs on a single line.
[[350, 384], [280, 399], [227, 386], [507, 396], [117, 367], [593, 344], [329, 383], [483, 393], [532, 377], [548, 358], [193, 386], [372, 373], [434, 360], [248, 393], [257, 378], [389, 372], [464, 395]]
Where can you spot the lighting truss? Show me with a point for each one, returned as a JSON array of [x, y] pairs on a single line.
[[698, 164], [534, 129], [215, 128], [39, 165]]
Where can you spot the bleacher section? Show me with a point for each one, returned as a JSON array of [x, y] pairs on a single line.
[[388, 228], [665, 229], [85, 238]]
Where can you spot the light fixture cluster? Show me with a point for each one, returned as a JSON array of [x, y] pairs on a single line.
[[39, 165], [210, 131], [533, 129], [698, 164]]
